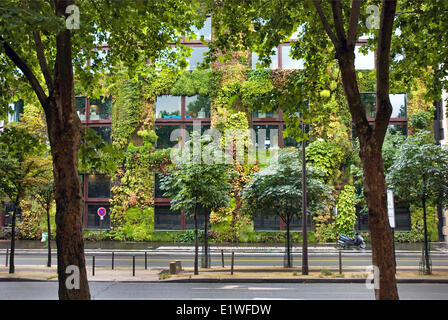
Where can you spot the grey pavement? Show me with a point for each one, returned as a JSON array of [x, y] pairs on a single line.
[[221, 291]]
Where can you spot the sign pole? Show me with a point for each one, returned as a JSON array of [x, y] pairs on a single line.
[[391, 215], [101, 231]]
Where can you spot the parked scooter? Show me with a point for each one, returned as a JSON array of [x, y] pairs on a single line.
[[345, 241]]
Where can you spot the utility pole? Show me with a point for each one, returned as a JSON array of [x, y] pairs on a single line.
[[304, 205]]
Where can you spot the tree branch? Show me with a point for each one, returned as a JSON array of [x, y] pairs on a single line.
[[338, 19], [384, 107], [325, 23], [21, 64], [42, 60], [353, 26]]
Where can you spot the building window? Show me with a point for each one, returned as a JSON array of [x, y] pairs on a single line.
[[165, 133], [267, 223], [197, 106], [364, 61], [287, 61], [166, 219], [267, 134], [104, 132], [189, 221], [94, 220], [100, 109], [17, 111], [205, 32], [168, 107], [257, 114], [158, 192], [98, 186], [274, 60], [398, 101], [197, 57], [81, 108]]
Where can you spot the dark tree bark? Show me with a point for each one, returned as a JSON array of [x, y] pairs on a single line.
[[288, 243], [206, 241], [371, 139], [49, 235], [64, 133], [13, 236], [196, 241]]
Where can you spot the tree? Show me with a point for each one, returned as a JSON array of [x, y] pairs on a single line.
[[198, 183], [265, 24], [419, 176], [20, 168], [44, 192], [277, 189], [41, 45]]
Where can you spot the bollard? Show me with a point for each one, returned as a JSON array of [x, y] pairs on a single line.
[[7, 254], [178, 266], [133, 266], [340, 262], [93, 266], [222, 257], [173, 267], [233, 260], [113, 259], [146, 261]]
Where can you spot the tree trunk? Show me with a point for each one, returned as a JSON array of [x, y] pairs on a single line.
[[13, 236], [425, 229], [64, 132], [288, 245], [49, 237], [196, 241], [206, 241], [304, 209]]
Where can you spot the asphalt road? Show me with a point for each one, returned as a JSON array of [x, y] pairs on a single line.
[[404, 261], [220, 291]]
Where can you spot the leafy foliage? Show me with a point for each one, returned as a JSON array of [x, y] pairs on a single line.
[[346, 218]]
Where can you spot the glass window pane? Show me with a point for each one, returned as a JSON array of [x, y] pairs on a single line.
[[398, 102], [262, 115], [164, 136], [296, 223], [267, 223], [81, 107], [274, 60], [288, 62], [165, 219], [100, 109], [369, 102], [196, 58], [401, 128], [158, 192], [104, 132], [189, 222], [267, 134], [93, 219], [98, 186], [364, 61], [189, 129], [197, 107], [168, 107], [205, 31]]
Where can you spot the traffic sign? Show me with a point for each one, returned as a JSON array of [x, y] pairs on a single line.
[[101, 212], [391, 208]]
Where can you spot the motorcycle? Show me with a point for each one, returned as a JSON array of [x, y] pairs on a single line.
[[345, 241]]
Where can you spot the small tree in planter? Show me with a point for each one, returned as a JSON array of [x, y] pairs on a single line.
[[277, 189], [196, 184], [21, 167], [419, 176]]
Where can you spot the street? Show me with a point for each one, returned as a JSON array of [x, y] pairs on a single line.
[[220, 291], [405, 261]]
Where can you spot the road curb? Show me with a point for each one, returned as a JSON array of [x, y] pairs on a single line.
[[294, 280]]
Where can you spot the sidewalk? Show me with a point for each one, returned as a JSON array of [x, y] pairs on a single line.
[[222, 275]]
